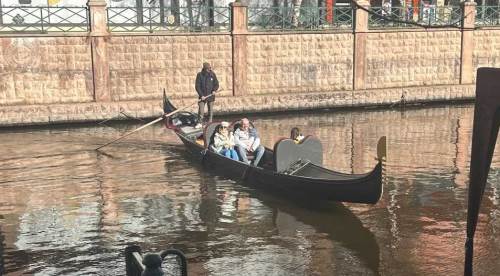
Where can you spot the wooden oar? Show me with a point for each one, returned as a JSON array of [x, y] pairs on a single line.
[[155, 121]]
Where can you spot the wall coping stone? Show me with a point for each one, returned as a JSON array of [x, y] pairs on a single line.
[[261, 33]]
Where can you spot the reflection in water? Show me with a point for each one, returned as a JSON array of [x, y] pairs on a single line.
[[2, 250], [339, 227], [67, 209]]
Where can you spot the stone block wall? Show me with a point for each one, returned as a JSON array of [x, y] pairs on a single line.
[[299, 63], [45, 70], [67, 77], [412, 58], [141, 66], [486, 48]]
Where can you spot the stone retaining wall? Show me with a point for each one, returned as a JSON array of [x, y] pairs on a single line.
[[45, 70], [305, 63], [47, 78], [141, 66], [486, 48], [98, 111], [413, 58]]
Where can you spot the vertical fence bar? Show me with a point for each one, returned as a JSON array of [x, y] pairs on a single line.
[[189, 10], [140, 19], [1, 13], [150, 20], [429, 16], [48, 15], [284, 15], [162, 12], [176, 11], [41, 18], [211, 19]]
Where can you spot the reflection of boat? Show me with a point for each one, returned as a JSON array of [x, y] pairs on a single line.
[[342, 226], [288, 168], [339, 223]]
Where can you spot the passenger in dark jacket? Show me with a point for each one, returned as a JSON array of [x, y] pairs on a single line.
[[206, 84]]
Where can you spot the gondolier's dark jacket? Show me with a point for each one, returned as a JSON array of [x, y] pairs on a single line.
[[206, 83]]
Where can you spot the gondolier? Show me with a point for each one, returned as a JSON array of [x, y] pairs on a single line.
[[206, 84]]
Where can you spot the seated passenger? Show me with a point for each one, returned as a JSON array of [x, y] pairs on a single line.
[[296, 136], [224, 141], [247, 141]]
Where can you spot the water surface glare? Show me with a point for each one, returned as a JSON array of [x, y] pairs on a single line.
[[66, 209]]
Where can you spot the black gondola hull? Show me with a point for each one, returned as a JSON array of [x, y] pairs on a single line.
[[365, 188]]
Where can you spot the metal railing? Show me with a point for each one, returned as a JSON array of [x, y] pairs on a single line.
[[43, 19], [487, 15], [299, 19], [405, 17], [199, 18]]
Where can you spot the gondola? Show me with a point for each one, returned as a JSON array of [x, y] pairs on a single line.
[[288, 168]]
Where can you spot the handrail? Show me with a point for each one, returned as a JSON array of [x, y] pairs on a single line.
[[198, 18], [300, 18], [487, 16], [43, 19]]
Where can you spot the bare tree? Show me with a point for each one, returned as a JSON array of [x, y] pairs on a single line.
[[211, 13], [275, 11], [189, 6], [176, 11]]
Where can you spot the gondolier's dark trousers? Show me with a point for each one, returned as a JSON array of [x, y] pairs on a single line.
[[201, 110]]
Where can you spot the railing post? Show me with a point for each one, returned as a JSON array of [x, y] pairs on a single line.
[[239, 31], [360, 35], [150, 20], [41, 18], [140, 12], [162, 13], [98, 40], [467, 42], [211, 9]]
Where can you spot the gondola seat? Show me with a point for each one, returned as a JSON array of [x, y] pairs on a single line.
[[208, 134], [288, 154]]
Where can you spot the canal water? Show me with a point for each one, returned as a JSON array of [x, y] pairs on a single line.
[[66, 209]]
